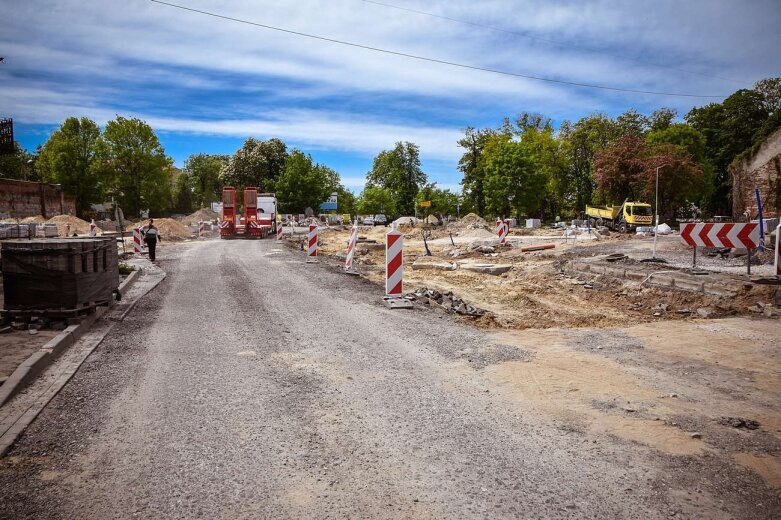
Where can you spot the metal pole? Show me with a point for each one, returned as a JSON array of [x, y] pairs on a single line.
[[694, 258], [761, 222], [656, 209], [748, 262]]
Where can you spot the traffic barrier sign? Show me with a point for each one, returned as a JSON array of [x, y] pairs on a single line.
[[137, 240], [394, 262], [312, 258], [348, 262], [93, 228], [501, 230], [707, 234], [201, 228], [279, 231], [745, 236]]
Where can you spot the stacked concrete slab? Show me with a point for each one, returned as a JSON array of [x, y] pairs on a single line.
[[58, 273]]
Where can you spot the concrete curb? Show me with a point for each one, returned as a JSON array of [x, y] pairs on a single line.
[[38, 361], [46, 355]]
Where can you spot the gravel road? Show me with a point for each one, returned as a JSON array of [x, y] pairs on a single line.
[[252, 385]]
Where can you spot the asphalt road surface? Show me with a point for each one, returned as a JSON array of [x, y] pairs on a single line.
[[252, 385]]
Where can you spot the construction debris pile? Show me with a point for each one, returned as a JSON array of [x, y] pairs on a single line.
[[202, 215], [447, 301], [170, 229]]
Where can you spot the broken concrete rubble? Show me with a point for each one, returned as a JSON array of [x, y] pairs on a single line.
[[448, 301]]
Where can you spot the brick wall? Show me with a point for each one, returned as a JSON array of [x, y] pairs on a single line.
[[26, 199], [761, 170]]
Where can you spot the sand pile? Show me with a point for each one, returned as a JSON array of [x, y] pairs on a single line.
[[170, 229], [202, 215], [471, 221], [78, 226], [37, 219]]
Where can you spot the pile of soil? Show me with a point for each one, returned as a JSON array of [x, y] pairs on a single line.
[[202, 215], [471, 221], [170, 229], [77, 225]]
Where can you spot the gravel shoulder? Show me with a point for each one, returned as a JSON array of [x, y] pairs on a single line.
[[250, 384]]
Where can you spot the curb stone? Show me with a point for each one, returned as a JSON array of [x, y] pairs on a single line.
[[40, 360]]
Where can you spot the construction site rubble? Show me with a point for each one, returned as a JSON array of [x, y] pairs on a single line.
[[446, 300]]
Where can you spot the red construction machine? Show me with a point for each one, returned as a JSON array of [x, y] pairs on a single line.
[[253, 224]]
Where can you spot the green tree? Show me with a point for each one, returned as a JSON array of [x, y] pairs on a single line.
[[471, 166], [304, 184], [729, 128], [374, 200], [345, 201], [682, 181], [135, 164], [770, 89], [203, 173], [582, 142], [256, 163], [663, 118], [632, 123], [399, 171], [443, 202], [512, 182], [183, 194], [70, 158], [20, 165]]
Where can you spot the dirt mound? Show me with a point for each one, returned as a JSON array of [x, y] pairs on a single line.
[[202, 215], [170, 229], [471, 221], [77, 225]]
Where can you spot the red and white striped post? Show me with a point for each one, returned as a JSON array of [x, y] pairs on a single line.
[[279, 231], [67, 230], [137, 240], [502, 230], [201, 228], [312, 253], [348, 262], [394, 263], [93, 228], [778, 252]]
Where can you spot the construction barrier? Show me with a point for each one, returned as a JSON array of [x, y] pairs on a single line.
[[501, 231], [778, 251], [348, 262], [137, 240], [537, 247], [394, 261], [201, 228], [279, 231], [312, 243], [704, 234], [93, 228]]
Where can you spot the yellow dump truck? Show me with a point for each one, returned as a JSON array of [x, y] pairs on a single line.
[[624, 218]]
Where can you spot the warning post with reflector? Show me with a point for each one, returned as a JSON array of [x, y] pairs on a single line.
[[312, 241], [394, 271]]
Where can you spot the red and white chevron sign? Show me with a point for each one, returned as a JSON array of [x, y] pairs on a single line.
[[745, 236], [394, 260]]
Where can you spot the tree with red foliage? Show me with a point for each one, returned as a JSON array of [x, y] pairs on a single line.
[[627, 170]]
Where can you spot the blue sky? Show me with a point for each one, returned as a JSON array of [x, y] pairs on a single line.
[[205, 84]]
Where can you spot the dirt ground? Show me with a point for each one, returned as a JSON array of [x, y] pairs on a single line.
[[536, 292], [574, 344]]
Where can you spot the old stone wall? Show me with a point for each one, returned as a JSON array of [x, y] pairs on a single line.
[[27, 199], [761, 170]]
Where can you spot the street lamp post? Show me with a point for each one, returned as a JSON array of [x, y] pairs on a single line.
[[656, 208]]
